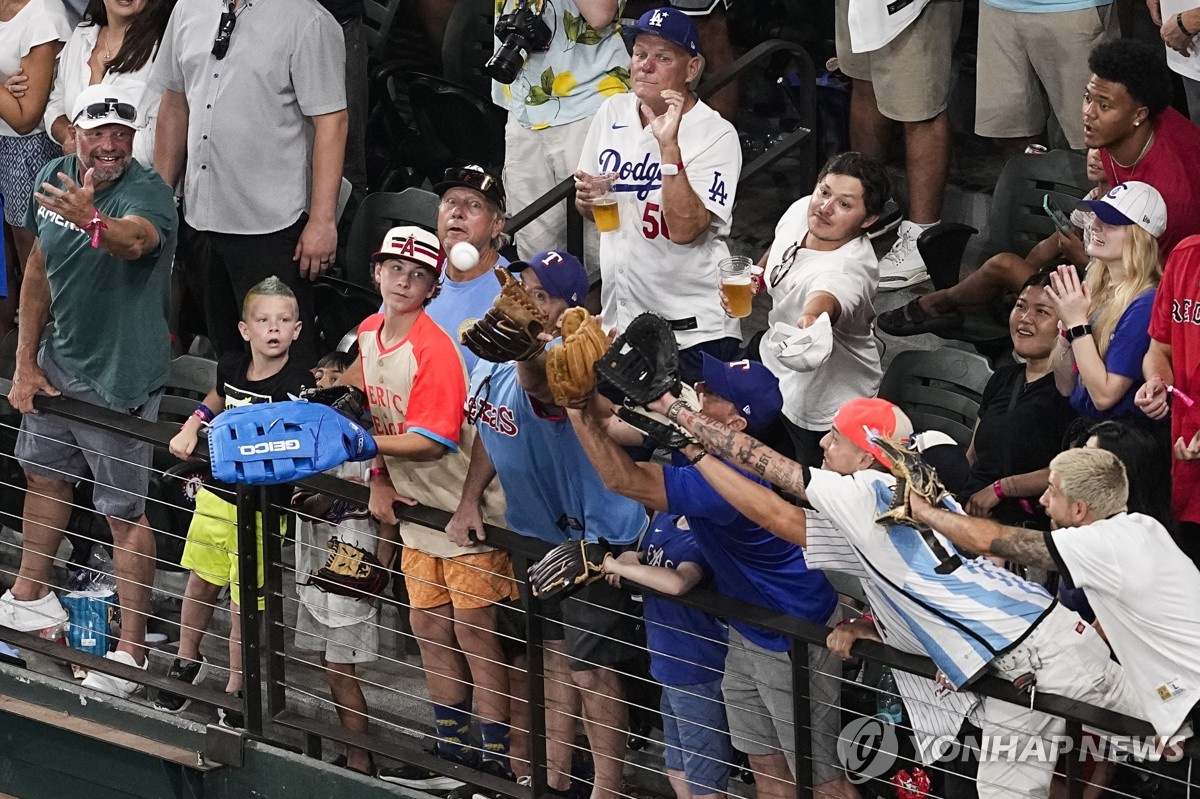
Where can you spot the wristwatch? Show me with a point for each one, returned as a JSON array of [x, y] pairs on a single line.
[[671, 169], [1078, 332]]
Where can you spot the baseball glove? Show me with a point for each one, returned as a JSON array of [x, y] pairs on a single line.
[[350, 401], [509, 330], [667, 433], [642, 364], [570, 366], [915, 476], [568, 567], [350, 571], [281, 442]]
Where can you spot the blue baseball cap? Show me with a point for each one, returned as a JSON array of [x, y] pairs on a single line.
[[666, 23], [749, 385], [560, 273]]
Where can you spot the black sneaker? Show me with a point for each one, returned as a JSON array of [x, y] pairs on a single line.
[[188, 671], [232, 719], [423, 779]]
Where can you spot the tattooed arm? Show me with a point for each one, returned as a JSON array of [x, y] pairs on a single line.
[[739, 448], [986, 537]]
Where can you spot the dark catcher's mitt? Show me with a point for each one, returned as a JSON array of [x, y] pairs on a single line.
[[349, 401], [915, 476], [350, 571], [568, 567], [570, 366], [642, 364], [509, 330]]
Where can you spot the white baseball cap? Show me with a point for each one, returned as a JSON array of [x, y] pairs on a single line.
[[104, 104], [411, 243], [1132, 203]]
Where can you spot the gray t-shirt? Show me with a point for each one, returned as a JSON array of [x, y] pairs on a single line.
[[250, 132], [108, 323]]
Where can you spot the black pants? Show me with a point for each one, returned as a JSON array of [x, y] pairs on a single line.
[[222, 267]]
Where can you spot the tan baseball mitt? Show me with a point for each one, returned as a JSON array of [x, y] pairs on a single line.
[[570, 365]]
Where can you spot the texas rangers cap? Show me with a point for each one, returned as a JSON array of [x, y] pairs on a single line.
[[560, 273], [862, 419], [666, 23], [104, 104], [411, 243], [1131, 203], [749, 385]]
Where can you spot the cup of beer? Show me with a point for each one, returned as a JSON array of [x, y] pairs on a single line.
[[604, 207], [736, 279]]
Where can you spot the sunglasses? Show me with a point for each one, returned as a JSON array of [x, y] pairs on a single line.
[[224, 34], [784, 267], [475, 178], [100, 110]]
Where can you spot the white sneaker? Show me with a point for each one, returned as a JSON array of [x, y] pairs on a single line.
[[29, 616], [108, 684], [903, 266]]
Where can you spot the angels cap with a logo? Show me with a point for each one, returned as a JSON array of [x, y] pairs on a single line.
[[104, 104], [666, 23], [1131, 203], [749, 385], [560, 273], [411, 243]]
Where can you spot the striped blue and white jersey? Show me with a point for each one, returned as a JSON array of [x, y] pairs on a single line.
[[963, 619]]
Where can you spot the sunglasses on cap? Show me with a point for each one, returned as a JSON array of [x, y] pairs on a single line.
[[480, 181], [100, 110]]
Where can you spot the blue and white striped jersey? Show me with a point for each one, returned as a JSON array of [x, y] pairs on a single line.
[[962, 619]]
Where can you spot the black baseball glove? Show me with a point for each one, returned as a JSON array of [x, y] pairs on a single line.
[[642, 364], [349, 401], [568, 567], [350, 571]]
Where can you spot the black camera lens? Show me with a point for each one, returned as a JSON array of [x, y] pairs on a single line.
[[504, 65], [520, 33]]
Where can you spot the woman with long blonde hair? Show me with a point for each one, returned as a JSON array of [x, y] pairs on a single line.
[[1105, 319]]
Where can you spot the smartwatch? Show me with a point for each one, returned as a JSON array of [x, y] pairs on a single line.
[[1078, 332], [671, 169]]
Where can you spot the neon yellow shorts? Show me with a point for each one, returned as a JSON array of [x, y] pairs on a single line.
[[211, 550]]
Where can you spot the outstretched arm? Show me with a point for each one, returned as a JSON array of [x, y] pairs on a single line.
[[738, 448], [643, 482], [756, 502], [985, 536]]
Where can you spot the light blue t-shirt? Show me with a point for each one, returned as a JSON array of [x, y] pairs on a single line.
[[1045, 6], [552, 490], [458, 305]]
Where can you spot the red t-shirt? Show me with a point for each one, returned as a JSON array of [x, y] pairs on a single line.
[[1176, 322], [1171, 165]]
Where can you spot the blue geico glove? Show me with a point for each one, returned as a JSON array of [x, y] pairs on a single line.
[[279, 442]]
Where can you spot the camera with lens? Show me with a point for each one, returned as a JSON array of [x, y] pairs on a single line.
[[520, 32]]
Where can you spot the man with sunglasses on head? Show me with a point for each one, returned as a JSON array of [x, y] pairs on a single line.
[[96, 286], [822, 275], [253, 119]]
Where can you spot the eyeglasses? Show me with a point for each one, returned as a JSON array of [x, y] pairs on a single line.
[[781, 269], [224, 33], [474, 177], [100, 110]]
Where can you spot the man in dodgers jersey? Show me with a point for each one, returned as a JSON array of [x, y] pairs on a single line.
[[556, 495], [677, 164], [416, 388], [974, 618]]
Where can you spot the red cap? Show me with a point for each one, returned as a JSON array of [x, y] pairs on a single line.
[[862, 419]]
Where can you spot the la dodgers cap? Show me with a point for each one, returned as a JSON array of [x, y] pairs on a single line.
[[411, 243], [666, 23], [104, 104], [862, 419], [1131, 203], [560, 273], [749, 385]]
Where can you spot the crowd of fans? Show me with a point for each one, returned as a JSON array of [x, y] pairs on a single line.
[[143, 104]]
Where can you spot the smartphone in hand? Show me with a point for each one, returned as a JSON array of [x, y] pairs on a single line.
[[1061, 220]]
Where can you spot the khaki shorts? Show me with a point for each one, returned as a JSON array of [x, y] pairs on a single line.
[[1031, 64], [912, 73], [466, 581]]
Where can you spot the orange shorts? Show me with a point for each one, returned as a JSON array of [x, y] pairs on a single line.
[[466, 581]]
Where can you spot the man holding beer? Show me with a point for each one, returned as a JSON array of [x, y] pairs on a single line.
[[822, 275], [671, 164]]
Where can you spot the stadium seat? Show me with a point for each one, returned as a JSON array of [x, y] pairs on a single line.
[[1017, 220], [939, 389], [379, 212]]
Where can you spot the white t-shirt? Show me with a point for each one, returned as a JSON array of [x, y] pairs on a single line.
[[642, 269], [40, 21], [74, 75], [963, 619], [874, 23], [1146, 594], [1188, 66], [850, 273]]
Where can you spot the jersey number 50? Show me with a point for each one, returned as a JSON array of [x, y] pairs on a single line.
[[654, 222]]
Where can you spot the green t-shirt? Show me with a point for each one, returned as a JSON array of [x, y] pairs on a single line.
[[108, 322]]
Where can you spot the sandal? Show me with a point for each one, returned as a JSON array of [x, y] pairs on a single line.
[[911, 320]]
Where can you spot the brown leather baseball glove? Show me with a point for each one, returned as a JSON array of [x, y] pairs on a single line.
[[509, 331], [570, 366]]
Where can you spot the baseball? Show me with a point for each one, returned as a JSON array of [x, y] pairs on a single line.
[[464, 256]]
